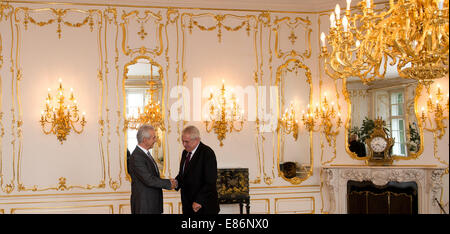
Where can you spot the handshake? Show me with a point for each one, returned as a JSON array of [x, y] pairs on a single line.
[[174, 183]]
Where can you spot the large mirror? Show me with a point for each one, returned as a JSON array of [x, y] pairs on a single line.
[[392, 99], [144, 103], [294, 151]]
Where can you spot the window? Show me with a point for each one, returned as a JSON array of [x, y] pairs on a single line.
[[390, 106], [135, 99], [397, 120]]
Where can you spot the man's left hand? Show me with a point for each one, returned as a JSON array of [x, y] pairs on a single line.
[[196, 206]]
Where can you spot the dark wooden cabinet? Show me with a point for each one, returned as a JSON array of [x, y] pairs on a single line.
[[233, 187]]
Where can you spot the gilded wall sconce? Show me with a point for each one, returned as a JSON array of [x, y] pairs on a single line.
[[323, 116], [288, 122], [437, 110], [225, 114], [61, 116]]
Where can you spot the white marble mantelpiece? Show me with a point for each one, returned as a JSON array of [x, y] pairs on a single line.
[[427, 177]]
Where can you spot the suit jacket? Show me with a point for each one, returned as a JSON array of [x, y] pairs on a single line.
[[198, 182], [358, 147], [146, 185]]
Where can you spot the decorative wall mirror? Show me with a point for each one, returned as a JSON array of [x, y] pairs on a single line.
[[294, 149], [143, 85], [393, 99]]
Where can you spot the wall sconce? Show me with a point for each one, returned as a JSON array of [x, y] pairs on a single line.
[[436, 110], [62, 116], [224, 115], [288, 122], [324, 116], [151, 114]]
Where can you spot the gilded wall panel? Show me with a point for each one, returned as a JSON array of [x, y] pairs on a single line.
[[8, 146], [67, 24], [229, 52]]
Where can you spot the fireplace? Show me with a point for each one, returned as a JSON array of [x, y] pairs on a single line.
[[393, 198], [391, 189]]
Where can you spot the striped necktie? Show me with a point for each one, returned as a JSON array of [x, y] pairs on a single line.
[[186, 162]]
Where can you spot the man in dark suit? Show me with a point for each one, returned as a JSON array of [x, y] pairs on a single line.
[[146, 184], [356, 146], [197, 175]]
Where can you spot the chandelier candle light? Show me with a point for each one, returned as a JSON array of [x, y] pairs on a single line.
[[61, 116], [225, 114]]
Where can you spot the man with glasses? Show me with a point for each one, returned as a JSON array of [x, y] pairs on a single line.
[[146, 183]]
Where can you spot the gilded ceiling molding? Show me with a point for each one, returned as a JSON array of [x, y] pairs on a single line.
[[22, 16]]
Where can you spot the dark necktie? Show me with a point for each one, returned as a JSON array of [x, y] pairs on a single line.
[[153, 161], [186, 162]]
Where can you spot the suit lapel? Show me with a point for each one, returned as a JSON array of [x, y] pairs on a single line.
[[151, 160]]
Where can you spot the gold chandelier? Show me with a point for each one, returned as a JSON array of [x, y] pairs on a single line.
[[413, 34], [62, 116], [151, 112], [225, 114]]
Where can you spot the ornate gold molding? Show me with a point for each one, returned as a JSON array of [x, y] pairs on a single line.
[[219, 23], [251, 25], [58, 15], [156, 19], [313, 200], [163, 104], [299, 64], [110, 17], [6, 12], [293, 26]]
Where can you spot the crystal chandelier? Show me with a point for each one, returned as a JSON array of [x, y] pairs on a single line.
[[225, 114], [412, 34], [62, 116]]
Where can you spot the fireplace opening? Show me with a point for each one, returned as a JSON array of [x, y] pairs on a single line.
[[393, 198]]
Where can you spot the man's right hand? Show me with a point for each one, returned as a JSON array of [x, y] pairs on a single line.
[[174, 183]]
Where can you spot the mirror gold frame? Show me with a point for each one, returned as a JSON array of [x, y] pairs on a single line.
[[300, 65], [411, 155], [162, 138]]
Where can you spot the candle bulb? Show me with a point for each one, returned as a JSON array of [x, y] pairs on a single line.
[[349, 2], [337, 10], [322, 38], [345, 23], [368, 4], [441, 5], [332, 20]]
